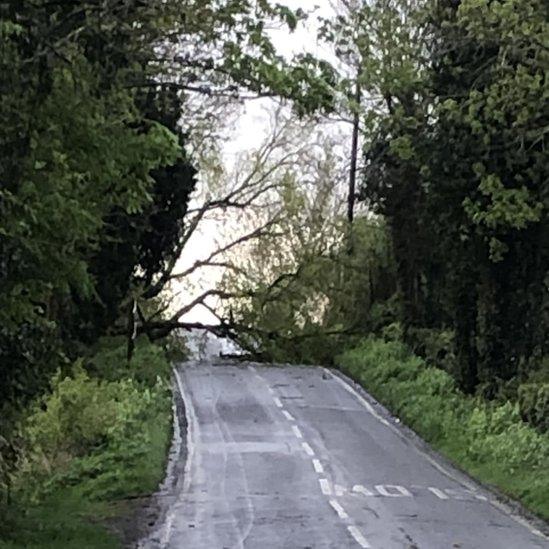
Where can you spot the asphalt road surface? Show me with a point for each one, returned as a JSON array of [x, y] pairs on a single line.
[[298, 458]]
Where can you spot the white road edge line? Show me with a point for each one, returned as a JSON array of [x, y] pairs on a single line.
[[370, 409], [277, 402], [318, 466], [358, 537], [191, 426], [325, 486], [296, 431], [520, 520], [288, 416], [308, 450], [501, 506], [178, 442], [341, 513], [359, 397]]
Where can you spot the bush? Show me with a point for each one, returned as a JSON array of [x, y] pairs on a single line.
[[110, 361], [533, 400], [489, 438], [92, 429], [437, 347]]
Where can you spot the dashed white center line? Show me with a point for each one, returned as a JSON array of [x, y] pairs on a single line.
[[341, 513], [308, 450], [359, 538], [277, 402], [439, 493], [296, 431], [288, 416], [325, 486], [318, 466]]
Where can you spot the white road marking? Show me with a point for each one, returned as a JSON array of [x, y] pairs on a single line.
[[358, 537], [359, 397], [359, 489], [341, 513], [296, 431], [277, 402], [270, 389], [192, 426], [383, 489], [459, 479], [288, 416], [318, 466], [456, 494], [339, 490], [524, 522], [439, 493], [325, 486], [308, 450]]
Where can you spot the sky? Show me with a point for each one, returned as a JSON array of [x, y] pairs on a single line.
[[249, 128], [288, 44]]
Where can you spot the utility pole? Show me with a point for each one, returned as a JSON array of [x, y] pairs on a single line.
[[354, 156]]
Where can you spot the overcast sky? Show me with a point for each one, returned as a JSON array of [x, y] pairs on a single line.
[[303, 40]]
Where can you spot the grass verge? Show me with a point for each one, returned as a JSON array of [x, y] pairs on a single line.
[[488, 440], [92, 447]]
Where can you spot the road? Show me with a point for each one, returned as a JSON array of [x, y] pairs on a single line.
[[298, 458]]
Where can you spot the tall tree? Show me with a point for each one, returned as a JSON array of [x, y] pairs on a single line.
[[490, 160]]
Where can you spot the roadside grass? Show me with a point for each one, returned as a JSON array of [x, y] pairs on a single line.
[[93, 446], [488, 440]]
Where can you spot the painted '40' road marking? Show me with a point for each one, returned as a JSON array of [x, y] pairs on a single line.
[[397, 491]]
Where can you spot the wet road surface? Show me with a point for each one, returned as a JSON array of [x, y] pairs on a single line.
[[295, 457]]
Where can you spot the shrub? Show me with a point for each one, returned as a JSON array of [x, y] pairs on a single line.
[[110, 361], [437, 347], [78, 429], [533, 399]]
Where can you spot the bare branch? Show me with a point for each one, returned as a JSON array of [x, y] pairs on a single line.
[[256, 233]]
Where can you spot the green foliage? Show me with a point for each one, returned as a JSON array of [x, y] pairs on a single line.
[[87, 429], [311, 312], [58, 522], [455, 151], [109, 361], [437, 347], [90, 440], [533, 401], [75, 148], [491, 440], [94, 178]]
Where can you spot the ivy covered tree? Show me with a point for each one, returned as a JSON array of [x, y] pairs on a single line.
[[456, 160], [488, 190]]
